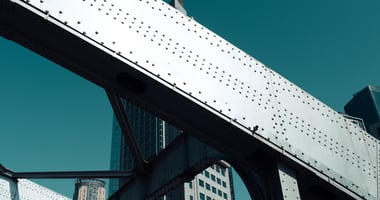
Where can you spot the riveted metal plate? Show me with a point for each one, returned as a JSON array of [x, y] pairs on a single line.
[[203, 67], [288, 181]]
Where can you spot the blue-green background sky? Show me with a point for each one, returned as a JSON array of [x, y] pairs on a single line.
[[51, 119]]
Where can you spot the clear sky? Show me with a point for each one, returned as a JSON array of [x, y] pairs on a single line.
[[51, 119]]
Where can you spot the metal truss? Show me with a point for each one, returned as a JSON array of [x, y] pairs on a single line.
[[169, 64]]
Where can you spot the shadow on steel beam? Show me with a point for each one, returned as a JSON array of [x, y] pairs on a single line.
[[260, 176], [178, 163]]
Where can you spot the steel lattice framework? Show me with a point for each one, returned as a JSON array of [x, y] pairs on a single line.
[[153, 55]]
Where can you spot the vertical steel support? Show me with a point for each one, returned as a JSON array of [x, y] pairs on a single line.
[[268, 179], [129, 137], [12, 188], [288, 181]]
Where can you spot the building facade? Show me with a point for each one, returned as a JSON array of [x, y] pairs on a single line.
[[152, 135], [89, 189], [23, 189], [214, 183], [365, 104]]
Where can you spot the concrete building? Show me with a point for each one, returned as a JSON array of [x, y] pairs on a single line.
[[213, 183], [89, 189], [365, 104], [152, 135], [23, 189]]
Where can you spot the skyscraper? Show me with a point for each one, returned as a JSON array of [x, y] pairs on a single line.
[[89, 189], [365, 104], [152, 135]]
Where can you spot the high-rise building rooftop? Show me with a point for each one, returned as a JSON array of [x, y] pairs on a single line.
[[89, 189], [365, 104]]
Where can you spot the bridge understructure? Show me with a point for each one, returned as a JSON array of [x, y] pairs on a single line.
[[283, 142]]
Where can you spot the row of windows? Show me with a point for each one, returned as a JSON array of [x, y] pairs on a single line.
[[219, 169], [215, 179], [212, 188], [206, 197]]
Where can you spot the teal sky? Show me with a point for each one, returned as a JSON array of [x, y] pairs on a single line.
[[51, 119]]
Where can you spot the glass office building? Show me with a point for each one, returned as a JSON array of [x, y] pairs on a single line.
[[365, 104], [152, 135]]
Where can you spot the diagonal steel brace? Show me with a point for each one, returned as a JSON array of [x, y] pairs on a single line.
[[126, 129]]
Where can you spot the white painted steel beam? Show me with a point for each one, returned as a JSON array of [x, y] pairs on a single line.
[[170, 64], [23, 189]]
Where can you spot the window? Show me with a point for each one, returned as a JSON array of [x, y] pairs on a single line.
[[213, 189], [201, 196], [190, 184], [191, 197], [218, 180], [207, 186], [224, 184], [208, 198], [224, 172], [207, 174], [212, 177], [201, 183], [225, 195], [219, 193], [217, 168]]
